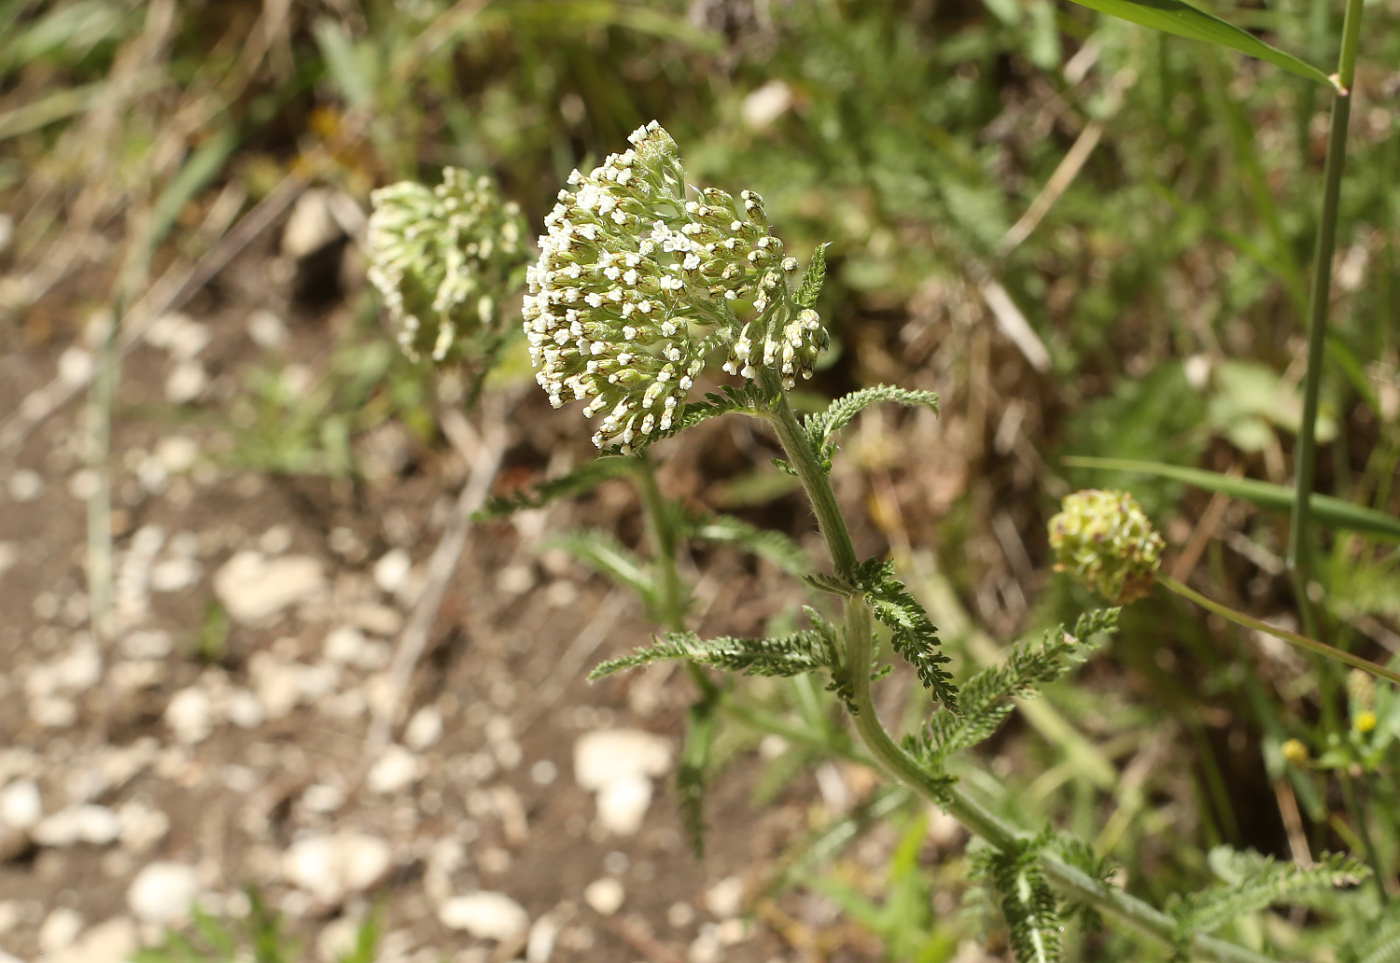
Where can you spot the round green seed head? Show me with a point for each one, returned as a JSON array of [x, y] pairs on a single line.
[[1106, 543]]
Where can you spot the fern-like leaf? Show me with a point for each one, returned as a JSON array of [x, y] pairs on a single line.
[[582, 479], [786, 655], [810, 287], [912, 634], [767, 544], [609, 557], [1251, 882], [746, 399], [1032, 913], [821, 426], [985, 699]]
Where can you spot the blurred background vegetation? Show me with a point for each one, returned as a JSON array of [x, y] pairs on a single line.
[[1089, 239]]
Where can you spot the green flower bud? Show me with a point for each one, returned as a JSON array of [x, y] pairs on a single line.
[[1106, 543], [636, 285], [441, 258]]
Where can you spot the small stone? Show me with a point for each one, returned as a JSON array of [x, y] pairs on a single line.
[[163, 892], [267, 330], [543, 773], [394, 771], [25, 485], [111, 942], [253, 587], [142, 827], [244, 709], [344, 645], [322, 798], [9, 555], [485, 915], [623, 804], [147, 644], [336, 941], [84, 484], [605, 755], [186, 382], [89, 823], [725, 898], [312, 224], [20, 805], [604, 895], [680, 915], [179, 335], [60, 928], [176, 453], [75, 366], [334, 867], [190, 715], [392, 570], [424, 729], [174, 574]]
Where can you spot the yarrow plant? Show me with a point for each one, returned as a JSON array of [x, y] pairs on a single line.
[[441, 258], [640, 279], [642, 283]]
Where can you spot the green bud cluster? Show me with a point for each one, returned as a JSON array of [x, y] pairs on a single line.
[[1106, 542], [440, 258], [637, 284]]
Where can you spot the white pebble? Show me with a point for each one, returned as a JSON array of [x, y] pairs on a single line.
[[253, 587], [725, 898], [21, 807], [623, 804], [394, 771], [334, 867], [92, 824], [606, 755], [190, 715], [186, 382], [267, 330], [59, 930], [424, 729], [163, 892], [604, 895], [176, 453], [25, 485], [174, 574], [392, 570], [485, 915]]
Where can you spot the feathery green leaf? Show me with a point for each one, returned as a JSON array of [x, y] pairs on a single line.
[[786, 655], [810, 287], [985, 699], [582, 479], [912, 635], [769, 545], [822, 425], [1251, 882], [1032, 913], [607, 556], [690, 772]]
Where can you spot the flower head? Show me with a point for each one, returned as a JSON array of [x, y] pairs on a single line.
[[637, 284], [1106, 542], [441, 257]]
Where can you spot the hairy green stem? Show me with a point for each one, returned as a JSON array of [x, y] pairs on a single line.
[[898, 764], [1300, 524], [1302, 641]]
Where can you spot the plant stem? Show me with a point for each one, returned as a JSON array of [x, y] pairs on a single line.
[[1299, 533], [673, 597], [1302, 641], [902, 767]]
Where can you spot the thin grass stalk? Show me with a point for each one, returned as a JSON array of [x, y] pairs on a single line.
[[899, 765], [1300, 560]]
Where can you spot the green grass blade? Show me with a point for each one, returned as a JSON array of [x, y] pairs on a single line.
[[1327, 510], [1183, 20]]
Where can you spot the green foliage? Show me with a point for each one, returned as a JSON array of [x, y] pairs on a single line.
[[577, 482], [768, 544], [810, 287], [912, 635], [787, 655], [691, 772], [821, 426], [1251, 882], [746, 399], [986, 699], [1183, 20], [1032, 913], [609, 557], [259, 937]]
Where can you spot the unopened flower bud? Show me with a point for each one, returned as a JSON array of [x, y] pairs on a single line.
[[1106, 543], [1364, 721], [1294, 752]]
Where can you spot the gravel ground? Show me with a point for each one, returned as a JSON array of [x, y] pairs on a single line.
[[513, 812]]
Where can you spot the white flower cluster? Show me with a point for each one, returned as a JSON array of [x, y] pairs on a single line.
[[635, 286], [441, 257]]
